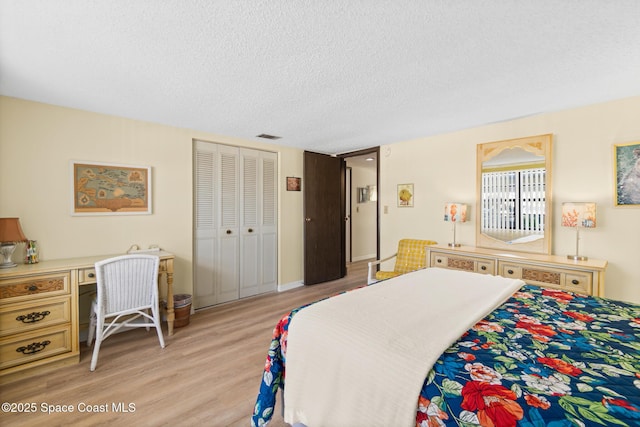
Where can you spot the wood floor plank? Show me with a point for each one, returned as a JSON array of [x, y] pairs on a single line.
[[208, 373]]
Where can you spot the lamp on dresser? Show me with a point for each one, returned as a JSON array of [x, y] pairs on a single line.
[[578, 215], [455, 212], [10, 234]]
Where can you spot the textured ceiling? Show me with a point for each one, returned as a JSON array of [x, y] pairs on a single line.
[[327, 76]]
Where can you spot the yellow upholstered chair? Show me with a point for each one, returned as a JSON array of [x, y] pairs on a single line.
[[411, 256]]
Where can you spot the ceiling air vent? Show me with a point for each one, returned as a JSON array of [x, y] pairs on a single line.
[[267, 136]]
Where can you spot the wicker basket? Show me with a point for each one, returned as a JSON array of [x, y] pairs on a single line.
[[182, 310]]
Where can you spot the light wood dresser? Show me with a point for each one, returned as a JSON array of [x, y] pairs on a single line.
[[551, 271], [39, 325]]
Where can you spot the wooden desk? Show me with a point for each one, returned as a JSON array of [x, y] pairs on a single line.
[[39, 324]]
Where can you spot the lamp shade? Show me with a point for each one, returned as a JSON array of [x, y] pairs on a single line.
[[581, 214], [10, 230], [455, 212]]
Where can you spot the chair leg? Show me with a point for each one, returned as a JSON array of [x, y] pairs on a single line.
[[94, 357], [160, 337], [156, 322], [96, 347], [92, 325]]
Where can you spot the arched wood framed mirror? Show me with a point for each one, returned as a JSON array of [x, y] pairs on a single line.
[[513, 207]]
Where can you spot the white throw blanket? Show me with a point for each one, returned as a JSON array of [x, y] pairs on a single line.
[[360, 358]]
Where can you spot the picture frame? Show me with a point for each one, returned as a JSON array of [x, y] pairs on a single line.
[[405, 195], [367, 194], [294, 183], [626, 166], [363, 194], [110, 189]]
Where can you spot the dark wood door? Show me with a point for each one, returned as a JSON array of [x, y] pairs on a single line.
[[324, 212]]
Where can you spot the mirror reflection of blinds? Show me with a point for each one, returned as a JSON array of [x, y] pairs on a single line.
[[514, 200]]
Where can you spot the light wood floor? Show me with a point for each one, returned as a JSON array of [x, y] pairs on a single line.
[[208, 374]]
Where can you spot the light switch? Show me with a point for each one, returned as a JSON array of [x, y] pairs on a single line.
[[386, 209]]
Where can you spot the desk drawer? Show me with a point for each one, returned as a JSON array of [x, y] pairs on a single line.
[[28, 288], [478, 265], [29, 347], [24, 317], [568, 280], [86, 276]]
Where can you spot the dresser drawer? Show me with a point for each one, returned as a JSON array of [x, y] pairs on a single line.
[[28, 288], [32, 346], [41, 313], [575, 281], [478, 265], [86, 276], [578, 282]]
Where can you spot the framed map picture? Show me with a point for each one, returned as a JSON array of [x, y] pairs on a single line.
[[110, 189]]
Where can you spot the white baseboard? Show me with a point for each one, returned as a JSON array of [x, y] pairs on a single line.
[[289, 286]]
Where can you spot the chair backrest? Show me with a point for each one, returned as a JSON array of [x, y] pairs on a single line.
[[126, 282], [412, 255]]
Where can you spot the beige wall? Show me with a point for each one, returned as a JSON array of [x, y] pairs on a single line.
[[37, 142], [363, 215], [443, 169]]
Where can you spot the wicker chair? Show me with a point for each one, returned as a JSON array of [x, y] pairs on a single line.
[[411, 256], [127, 297]]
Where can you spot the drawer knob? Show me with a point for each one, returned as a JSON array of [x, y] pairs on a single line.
[[33, 288], [33, 347], [484, 267], [33, 317], [92, 275], [510, 271], [575, 281]]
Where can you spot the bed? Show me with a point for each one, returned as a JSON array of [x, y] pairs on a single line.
[[537, 357]]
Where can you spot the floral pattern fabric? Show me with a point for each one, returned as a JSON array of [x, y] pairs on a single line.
[[543, 358], [273, 375]]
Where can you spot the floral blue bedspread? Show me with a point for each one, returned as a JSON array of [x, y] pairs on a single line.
[[543, 358]]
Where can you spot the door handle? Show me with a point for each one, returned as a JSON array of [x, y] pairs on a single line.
[[228, 231], [250, 230], [308, 219]]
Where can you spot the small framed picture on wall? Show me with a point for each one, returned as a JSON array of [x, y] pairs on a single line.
[[293, 183], [405, 195]]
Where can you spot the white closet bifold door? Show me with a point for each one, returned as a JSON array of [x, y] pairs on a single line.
[[235, 223]]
